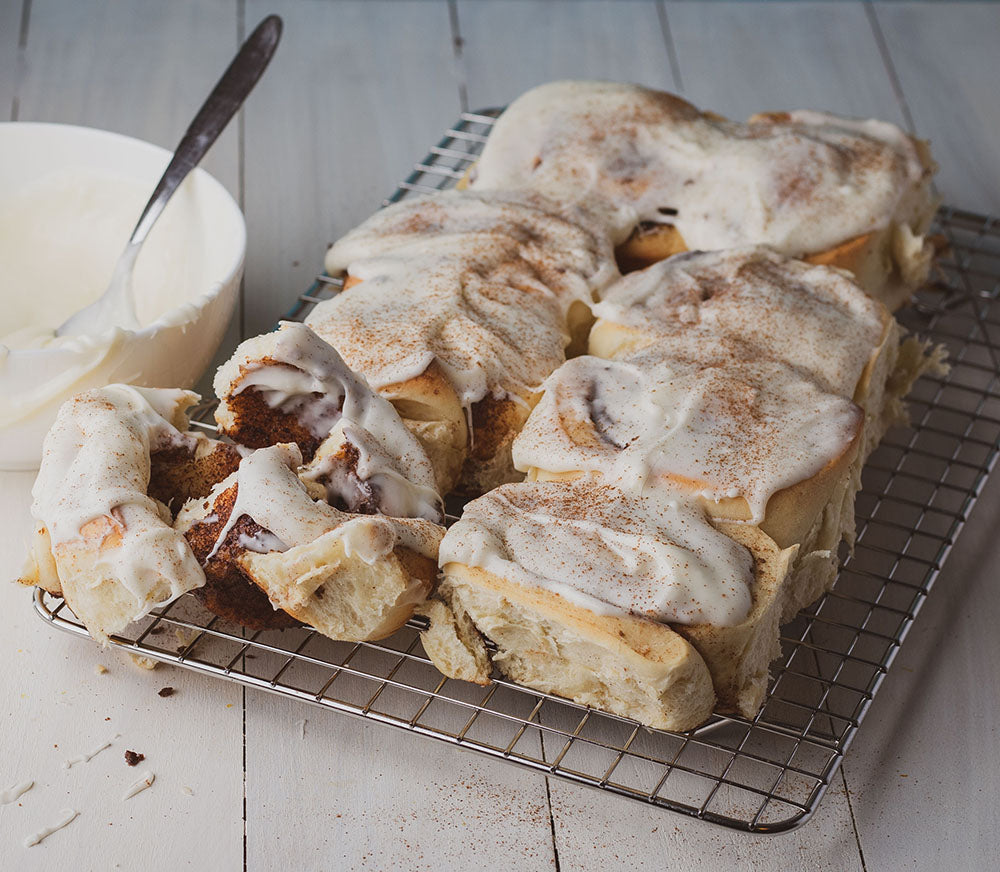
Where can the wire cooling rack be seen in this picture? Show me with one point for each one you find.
(767, 774)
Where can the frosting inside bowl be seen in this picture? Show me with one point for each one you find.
(69, 198)
(60, 237)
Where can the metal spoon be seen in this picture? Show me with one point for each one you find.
(116, 306)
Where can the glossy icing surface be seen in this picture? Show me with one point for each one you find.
(801, 182)
(654, 555)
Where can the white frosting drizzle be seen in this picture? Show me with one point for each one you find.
(801, 185)
(654, 555)
(402, 491)
(270, 493)
(90, 755)
(479, 283)
(16, 792)
(300, 365)
(812, 317)
(95, 465)
(146, 780)
(67, 817)
(701, 410)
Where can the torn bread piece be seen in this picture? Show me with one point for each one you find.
(837, 191)
(352, 577)
(589, 591)
(103, 539)
(456, 306)
(291, 386)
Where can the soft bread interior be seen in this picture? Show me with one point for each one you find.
(326, 586)
(433, 412)
(738, 657)
(622, 664)
(453, 643)
(84, 572)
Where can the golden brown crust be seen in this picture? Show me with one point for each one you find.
(539, 634)
(648, 245)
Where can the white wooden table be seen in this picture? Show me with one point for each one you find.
(358, 91)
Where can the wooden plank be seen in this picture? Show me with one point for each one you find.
(120, 67)
(922, 779)
(357, 94)
(630, 835)
(946, 59)
(923, 773)
(54, 705)
(126, 74)
(355, 795)
(741, 58)
(510, 47)
(115, 66)
(354, 98)
(11, 62)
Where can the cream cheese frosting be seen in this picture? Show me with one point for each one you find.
(801, 181)
(812, 317)
(95, 468)
(270, 492)
(702, 411)
(654, 554)
(298, 373)
(482, 284)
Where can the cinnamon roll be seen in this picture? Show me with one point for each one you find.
(291, 386)
(589, 591)
(349, 576)
(112, 462)
(837, 191)
(457, 306)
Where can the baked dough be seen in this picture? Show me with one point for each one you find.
(292, 386)
(457, 306)
(102, 540)
(588, 591)
(350, 576)
(838, 191)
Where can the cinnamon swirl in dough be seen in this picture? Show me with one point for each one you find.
(457, 306)
(842, 192)
(103, 539)
(291, 386)
(352, 577)
(587, 592)
(741, 376)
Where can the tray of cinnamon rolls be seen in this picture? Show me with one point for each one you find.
(643, 355)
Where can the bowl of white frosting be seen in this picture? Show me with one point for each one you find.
(69, 198)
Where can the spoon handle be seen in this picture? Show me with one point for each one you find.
(222, 104)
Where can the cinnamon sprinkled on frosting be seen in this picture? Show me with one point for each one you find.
(798, 181)
(480, 283)
(654, 555)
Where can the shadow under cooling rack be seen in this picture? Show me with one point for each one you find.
(767, 774)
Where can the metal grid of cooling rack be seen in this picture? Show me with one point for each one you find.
(766, 774)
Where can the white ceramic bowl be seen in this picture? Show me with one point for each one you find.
(172, 351)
